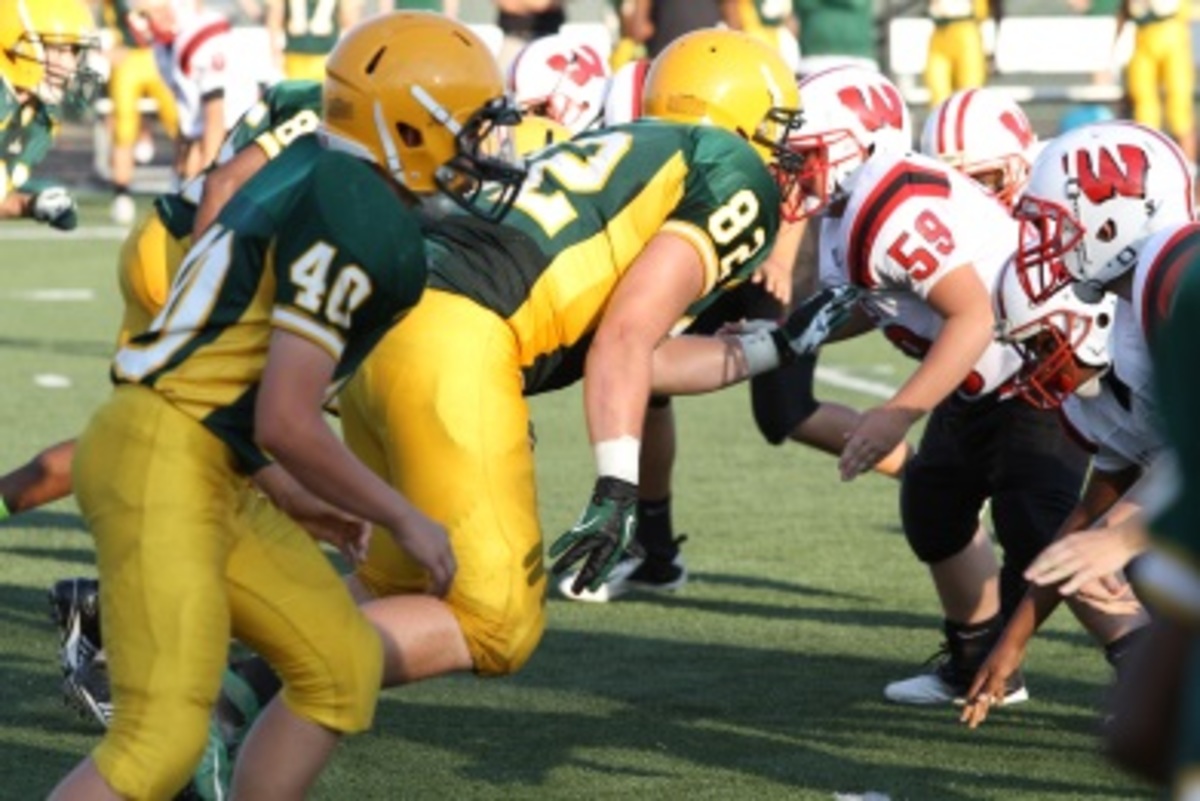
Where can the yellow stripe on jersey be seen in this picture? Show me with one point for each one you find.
(297, 323)
(568, 298)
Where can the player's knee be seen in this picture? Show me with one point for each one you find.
(155, 755)
(503, 648)
(933, 534)
(340, 692)
(783, 399)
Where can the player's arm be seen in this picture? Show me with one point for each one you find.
(15, 205)
(275, 32)
(290, 425)
(223, 182)
(213, 109)
(965, 305)
(1102, 492)
(43, 479)
(322, 521)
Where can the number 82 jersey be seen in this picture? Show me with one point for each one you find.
(587, 209)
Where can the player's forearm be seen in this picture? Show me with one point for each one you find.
(214, 130)
(306, 447)
(16, 205)
(958, 346)
(616, 389)
(44, 479)
(223, 182)
(690, 365)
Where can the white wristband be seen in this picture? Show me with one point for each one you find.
(618, 458)
(760, 350)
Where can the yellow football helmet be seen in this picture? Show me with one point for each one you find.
(28, 28)
(421, 96)
(727, 79)
(535, 133)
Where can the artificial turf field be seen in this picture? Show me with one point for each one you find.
(761, 679)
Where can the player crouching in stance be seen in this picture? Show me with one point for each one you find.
(283, 296)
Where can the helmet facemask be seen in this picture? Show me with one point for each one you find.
(1049, 235)
(485, 174)
(1050, 348)
(823, 160)
(67, 79)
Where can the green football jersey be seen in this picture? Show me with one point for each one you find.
(586, 211)
(301, 248)
(27, 131)
(288, 110)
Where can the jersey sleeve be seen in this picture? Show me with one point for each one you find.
(206, 61)
(289, 109)
(343, 276)
(729, 211)
(908, 234)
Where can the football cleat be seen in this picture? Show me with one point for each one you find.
(86, 690)
(632, 574)
(75, 610)
(947, 683)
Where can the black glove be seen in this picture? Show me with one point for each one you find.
(55, 207)
(604, 534)
(814, 320)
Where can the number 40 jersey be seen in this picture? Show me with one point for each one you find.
(907, 223)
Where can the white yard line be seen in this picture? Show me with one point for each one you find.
(21, 233)
(842, 379)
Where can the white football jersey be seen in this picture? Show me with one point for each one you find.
(1118, 425)
(908, 222)
(201, 62)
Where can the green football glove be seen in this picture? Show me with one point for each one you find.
(603, 535)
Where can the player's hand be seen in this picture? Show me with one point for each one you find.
(604, 533)
(775, 276)
(326, 523)
(55, 207)
(877, 433)
(815, 319)
(426, 541)
(1086, 557)
(987, 688)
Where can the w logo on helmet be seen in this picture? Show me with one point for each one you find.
(581, 65)
(1105, 178)
(876, 107)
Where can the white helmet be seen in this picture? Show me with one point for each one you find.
(985, 135)
(623, 103)
(1094, 194)
(1062, 340)
(848, 112)
(562, 78)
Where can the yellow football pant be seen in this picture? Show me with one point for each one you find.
(149, 259)
(188, 556)
(135, 77)
(955, 60)
(304, 66)
(1162, 61)
(437, 410)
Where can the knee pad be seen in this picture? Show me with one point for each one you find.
(155, 755)
(340, 694)
(783, 399)
(935, 528)
(503, 647)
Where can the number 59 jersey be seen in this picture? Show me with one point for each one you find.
(907, 223)
(585, 212)
(303, 248)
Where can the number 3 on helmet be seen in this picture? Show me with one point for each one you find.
(421, 96)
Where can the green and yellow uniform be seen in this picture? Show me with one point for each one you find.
(154, 248)
(27, 131)
(1161, 64)
(134, 76)
(438, 407)
(955, 58)
(843, 29)
(766, 20)
(187, 555)
(311, 28)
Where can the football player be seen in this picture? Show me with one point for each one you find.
(613, 235)
(899, 226)
(783, 402)
(1106, 223)
(283, 294)
(985, 135)
(44, 46)
(302, 33)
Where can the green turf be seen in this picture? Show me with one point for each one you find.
(762, 679)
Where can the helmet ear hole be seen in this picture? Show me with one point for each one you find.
(1108, 231)
(409, 135)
